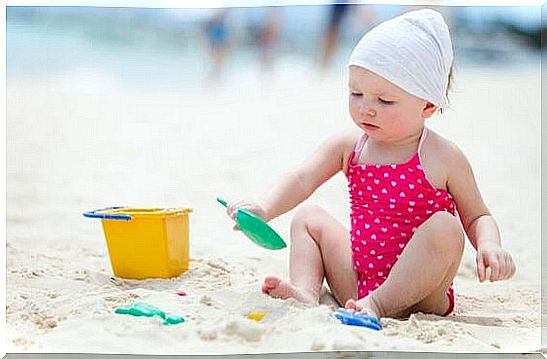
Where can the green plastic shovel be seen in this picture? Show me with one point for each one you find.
(256, 229)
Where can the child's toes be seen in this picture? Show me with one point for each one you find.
(350, 304)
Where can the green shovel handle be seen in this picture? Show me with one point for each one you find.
(222, 202)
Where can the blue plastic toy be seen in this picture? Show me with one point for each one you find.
(361, 319)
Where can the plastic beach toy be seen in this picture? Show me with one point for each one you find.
(140, 310)
(147, 310)
(256, 316)
(146, 242)
(173, 319)
(362, 319)
(256, 229)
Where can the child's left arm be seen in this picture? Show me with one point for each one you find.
(478, 223)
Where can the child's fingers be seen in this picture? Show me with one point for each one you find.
(506, 268)
(231, 210)
(503, 270)
(513, 267)
(481, 268)
(351, 304)
(235, 206)
(495, 266)
(495, 269)
(510, 266)
(235, 227)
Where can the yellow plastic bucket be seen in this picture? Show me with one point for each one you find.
(146, 242)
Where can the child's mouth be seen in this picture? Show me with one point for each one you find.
(369, 126)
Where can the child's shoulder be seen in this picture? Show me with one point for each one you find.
(343, 143)
(345, 139)
(444, 150)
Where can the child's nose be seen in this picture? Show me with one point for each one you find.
(368, 110)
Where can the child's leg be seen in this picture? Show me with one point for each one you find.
(320, 248)
(419, 280)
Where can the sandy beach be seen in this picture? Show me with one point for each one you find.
(85, 142)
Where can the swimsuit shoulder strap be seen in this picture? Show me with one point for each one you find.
(422, 139)
(358, 147)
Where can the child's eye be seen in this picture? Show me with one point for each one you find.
(385, 102)
(356, 94)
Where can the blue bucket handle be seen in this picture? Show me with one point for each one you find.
(94, 214)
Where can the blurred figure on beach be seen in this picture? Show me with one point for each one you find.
(268, 38)
(217, 35)
(331, 36)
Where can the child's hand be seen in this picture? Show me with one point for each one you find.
(253, 207)
(499, 261)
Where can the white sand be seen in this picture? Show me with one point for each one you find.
(74, 145)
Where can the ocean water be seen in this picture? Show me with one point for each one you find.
(138, 47)
(37, 49)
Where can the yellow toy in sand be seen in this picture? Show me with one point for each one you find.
(257, 316)
(146, 242)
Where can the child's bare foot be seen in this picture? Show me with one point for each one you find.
(366, 304)
(276, 288)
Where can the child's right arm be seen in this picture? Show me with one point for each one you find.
(296, 186)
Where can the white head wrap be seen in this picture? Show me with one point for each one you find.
(413, 51)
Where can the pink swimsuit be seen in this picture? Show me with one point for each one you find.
(388, 203)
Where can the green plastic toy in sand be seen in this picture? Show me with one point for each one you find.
(147, 310)
(256, 229)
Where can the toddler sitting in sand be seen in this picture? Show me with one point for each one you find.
(405, 183)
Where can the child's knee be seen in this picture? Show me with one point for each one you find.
(308, 216)
(444, 232)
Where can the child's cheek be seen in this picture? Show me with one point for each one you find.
(392, 115)
(353, 110)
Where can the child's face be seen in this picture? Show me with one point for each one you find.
(386, 112)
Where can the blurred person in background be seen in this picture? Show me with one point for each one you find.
(217, 35)
(269, 37)
(331, 36)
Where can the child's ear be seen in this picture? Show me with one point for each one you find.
(429, 110)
